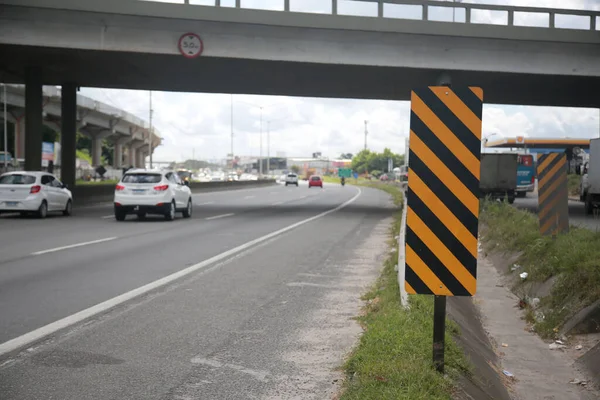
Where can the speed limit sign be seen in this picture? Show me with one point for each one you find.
(190, 45)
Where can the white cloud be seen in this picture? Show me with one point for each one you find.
(201, 123)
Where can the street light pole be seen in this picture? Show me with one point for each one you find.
(150, 133)
(4, 98)
(260, 168)
(231, 131)
(268, 147)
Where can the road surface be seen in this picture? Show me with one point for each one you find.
(228, 330)
(577, 214)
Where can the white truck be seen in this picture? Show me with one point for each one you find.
(590, 180)
(498, 179)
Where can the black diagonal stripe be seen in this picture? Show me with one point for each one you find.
(562, 186)
(444, 154)
(450, 200)
(436, 226)
(436, 266)
(561, 194)
(542, 174)
(448, 118)
(415, 282)
(470, 99)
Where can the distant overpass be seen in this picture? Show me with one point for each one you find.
(128, 133)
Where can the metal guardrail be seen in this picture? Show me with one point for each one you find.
(591, 17)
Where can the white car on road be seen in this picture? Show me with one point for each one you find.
(291, 179)
(37, 192)
(144, 192)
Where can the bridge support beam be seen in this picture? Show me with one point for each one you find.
(20, 137)
(33, 119)
(68, 137)
(118, 155)
(131, 156)
(96, 150)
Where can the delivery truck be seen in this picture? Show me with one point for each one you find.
(498, 176)
(590, 180)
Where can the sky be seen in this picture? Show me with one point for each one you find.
(200, 125)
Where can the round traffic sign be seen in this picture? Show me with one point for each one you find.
(190, 45)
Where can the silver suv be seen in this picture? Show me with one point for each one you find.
(291, 179)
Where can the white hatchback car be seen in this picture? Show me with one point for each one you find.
(144, 192)
(34, 192)
(291, 179)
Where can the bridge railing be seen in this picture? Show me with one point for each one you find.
(433, 10)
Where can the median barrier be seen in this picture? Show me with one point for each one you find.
(99, 193)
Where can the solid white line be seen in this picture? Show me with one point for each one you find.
(40, 333)
(319, 285)
(71, 246)
(278, 203)
(219, 216)
(108, 216)
(249, 197)
(205, 204)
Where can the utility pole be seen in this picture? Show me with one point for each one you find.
(231, 131)
(366, 133)
(6, 131)
(260, 168)
(150, 132)
(268, 147)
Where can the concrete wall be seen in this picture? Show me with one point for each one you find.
(90, 194)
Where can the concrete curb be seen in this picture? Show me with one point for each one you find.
(401, 258)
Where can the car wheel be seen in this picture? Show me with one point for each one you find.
(187, 213)
(68, 209)
(286, 184)
(43, 210)
(170, 215)
(120, 215)
(589, 207)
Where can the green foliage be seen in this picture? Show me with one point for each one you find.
(574, 184)
(574, 258)
(367, 161)
(393, 359)
(295, 169)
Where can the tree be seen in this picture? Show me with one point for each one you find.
(295, 169)
(346, 156)
(370, 161)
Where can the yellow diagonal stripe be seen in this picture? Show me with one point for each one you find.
(549, 175)
(437, 207)
(425, 274)
(409, 289)
(455, 185)
(550, 206)
(458, 108)
(477, 91)
(544, 192)
(544, 164)
(445, 135)
(440, 251)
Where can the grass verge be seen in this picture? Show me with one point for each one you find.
(81, 182)
(393, 358)
(573, 184)
(573, 258)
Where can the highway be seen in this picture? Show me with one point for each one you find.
(577, 214)
(255, 265)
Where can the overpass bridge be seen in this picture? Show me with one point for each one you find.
(128, 133)
(134, 44)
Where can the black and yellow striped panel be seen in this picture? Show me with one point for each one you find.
(443, 191)
(553, 196)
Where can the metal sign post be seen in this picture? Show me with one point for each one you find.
(442, 215)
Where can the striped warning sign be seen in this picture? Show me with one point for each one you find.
(443, 191)
(553, 196)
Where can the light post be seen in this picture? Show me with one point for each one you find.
(150, 132)
(5, 100)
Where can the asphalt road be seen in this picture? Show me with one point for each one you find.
(577, 214)
(217, 333)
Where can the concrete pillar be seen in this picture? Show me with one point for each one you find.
(33, 119)
(68, 136)
(118, 155)
(96, 150)
(141, 160)
(131, 156)
(20, 138)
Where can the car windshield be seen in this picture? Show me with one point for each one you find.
(142, 178)
(291, 176)
(17, 179)
(316, 178)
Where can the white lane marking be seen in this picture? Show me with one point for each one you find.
(259, 375)
(249, 197)
(277, 203)
(108, 216)
(219, 216)
(273, 192)
(316, 275)
(38, 334)
(71, 246)
(319, 285)
(205, 204)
